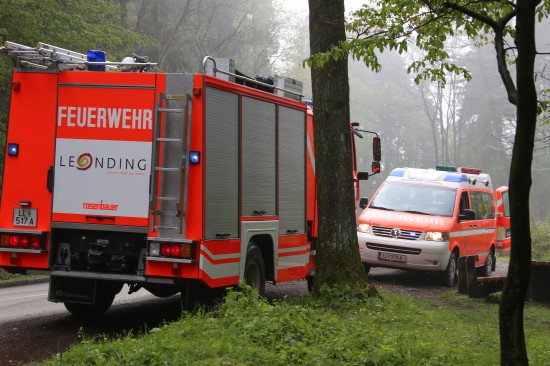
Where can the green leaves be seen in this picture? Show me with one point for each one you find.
(382, 25)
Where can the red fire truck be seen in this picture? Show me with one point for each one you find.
(168, 182)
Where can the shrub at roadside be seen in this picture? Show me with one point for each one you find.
(388, 330)
(540, 240)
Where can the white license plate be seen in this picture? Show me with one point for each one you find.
(392, 257)
(24, 217)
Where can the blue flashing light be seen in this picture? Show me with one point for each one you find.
(455, 178)
(397, 172)
(194, 157)
(13, 149)
(96, 56)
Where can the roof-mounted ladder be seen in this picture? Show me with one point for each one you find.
(46, 56)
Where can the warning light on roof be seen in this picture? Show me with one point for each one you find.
(194, 157)
(470, 170)
(13, 149)
(397, 172)
(445, 168)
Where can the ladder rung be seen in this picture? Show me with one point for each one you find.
(167, 198)
(166, 213)
(163, 169)
(168, 139)
(167, 227)
(171, 110)
(174, 97)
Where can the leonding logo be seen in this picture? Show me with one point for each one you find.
(395, 233)
(84, 161)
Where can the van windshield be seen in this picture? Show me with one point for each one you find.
(415, 198)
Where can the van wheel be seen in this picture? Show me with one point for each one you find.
(366, 267)
(487, 269)
(450, 274)
(254, 269)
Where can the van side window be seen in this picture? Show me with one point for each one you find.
(482, 204)
(464, 202)
(506, 203)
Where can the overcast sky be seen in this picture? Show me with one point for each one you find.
(301, 6)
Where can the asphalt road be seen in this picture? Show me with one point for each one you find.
(32, 329)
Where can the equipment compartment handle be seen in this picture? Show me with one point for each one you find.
(49, 180)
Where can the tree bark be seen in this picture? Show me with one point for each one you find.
(338, 259)
(512, 338)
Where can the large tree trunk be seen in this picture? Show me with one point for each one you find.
(512, 338)
(338, 260)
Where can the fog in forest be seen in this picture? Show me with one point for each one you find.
(469, 124)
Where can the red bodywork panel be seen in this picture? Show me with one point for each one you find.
(32, 126)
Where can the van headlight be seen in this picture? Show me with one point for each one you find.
(436, 236)
(364, 228)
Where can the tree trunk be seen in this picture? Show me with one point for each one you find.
(338, 260)
(512, 338)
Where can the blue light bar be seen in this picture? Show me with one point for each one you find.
(194, 157)
(397, 172)
(13, 149)
(455, 178)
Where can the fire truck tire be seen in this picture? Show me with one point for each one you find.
(488, 268)
(254, 269)
(450, 274)
(366, 267)
(102, 303)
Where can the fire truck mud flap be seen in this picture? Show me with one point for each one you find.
(81, 290)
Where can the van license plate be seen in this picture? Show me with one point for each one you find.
(24, 217)
(392, 257)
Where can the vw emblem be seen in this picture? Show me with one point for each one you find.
(395, 233)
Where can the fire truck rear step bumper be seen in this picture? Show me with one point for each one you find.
(99, 276)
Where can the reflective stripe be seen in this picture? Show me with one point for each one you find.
(216, 271)
(294, 249)
(310, 153)
(455, 234)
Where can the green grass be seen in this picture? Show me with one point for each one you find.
(8, 277)
(391, 330)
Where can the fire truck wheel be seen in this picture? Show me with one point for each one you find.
(254, 270)
(488, 268)
(99, 307)
(450, 274)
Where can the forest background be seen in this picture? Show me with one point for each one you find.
(463, 123)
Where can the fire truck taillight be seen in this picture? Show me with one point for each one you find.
(19, 241)
(174, 250)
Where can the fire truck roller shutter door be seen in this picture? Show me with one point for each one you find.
(258, 157)
(292, 170)
(222, 164)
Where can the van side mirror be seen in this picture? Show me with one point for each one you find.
(467, 215)
(362, 176)
(376, 149)
(363, 202)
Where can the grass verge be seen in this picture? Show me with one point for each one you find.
(391, 330)
(13, 277)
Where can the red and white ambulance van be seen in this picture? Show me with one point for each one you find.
(425, 219)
